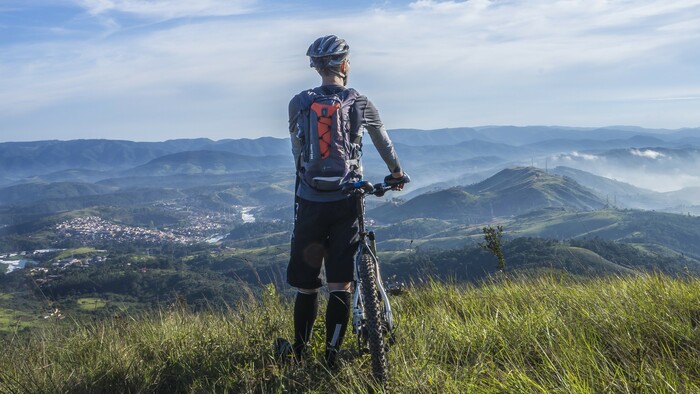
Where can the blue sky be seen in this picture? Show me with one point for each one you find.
(151, 70)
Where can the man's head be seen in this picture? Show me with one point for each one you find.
(329, 56)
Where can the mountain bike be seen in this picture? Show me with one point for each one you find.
(372, 318)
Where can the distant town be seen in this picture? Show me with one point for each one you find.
(92, 229)
(199, 228)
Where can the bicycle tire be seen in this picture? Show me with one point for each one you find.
(373, 318)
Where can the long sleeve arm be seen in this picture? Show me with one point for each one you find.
(369, 117)
(296, 141)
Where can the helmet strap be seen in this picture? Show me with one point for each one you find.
(344, 71)
(339, 73)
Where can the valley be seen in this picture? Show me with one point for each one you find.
(146, 224)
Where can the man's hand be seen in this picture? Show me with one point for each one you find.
(397, 180)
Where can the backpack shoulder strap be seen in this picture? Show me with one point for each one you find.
(352, 93)
(306, 98)
(348, 95)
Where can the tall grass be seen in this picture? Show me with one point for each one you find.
(544, 335)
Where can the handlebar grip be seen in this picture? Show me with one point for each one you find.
(379, 189)
(366, 186)
(389, 180)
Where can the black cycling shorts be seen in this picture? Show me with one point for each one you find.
(325, 233)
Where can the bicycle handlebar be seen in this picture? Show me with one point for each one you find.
(366, 187)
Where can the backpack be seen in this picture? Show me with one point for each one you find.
(330, 150)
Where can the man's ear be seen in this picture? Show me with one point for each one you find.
(343, 66)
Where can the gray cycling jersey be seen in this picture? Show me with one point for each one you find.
(363, 116)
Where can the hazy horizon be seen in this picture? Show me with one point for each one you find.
(642, 130)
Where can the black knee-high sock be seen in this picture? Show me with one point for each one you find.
(305, 311)
(337, 315)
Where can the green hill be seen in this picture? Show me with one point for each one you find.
(583, 258)
(517, 190)
(673, 232)
(71, 175)
(601, 184)
(513, 191)
(635, 334)
(28, 193)
(207, 162)
(624, 195)
(677, 232)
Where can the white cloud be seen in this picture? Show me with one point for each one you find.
(544, 34)
(575, 156)
(585, 156)
(648, 153)
(450, 6)
(683, 98)
(167, 9)
(665, 181)
(432, 64)
(578, 156)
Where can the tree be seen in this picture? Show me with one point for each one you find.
(493, 236)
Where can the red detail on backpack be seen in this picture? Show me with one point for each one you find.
(324, 113)
(331, 150)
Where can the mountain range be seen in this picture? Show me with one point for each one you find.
(461, 176)
(614, 162)
(60, 160)
(494, 145)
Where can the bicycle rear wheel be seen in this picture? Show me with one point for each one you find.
(373, 317)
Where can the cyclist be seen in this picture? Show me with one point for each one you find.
(326, 222)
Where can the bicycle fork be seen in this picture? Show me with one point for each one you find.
(358, 315)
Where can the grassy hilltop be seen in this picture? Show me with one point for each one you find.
(546, 335)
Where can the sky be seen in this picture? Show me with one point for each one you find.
(153, 70)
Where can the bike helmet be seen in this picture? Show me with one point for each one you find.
(327, 52)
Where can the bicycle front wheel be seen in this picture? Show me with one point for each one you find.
(373, 317)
